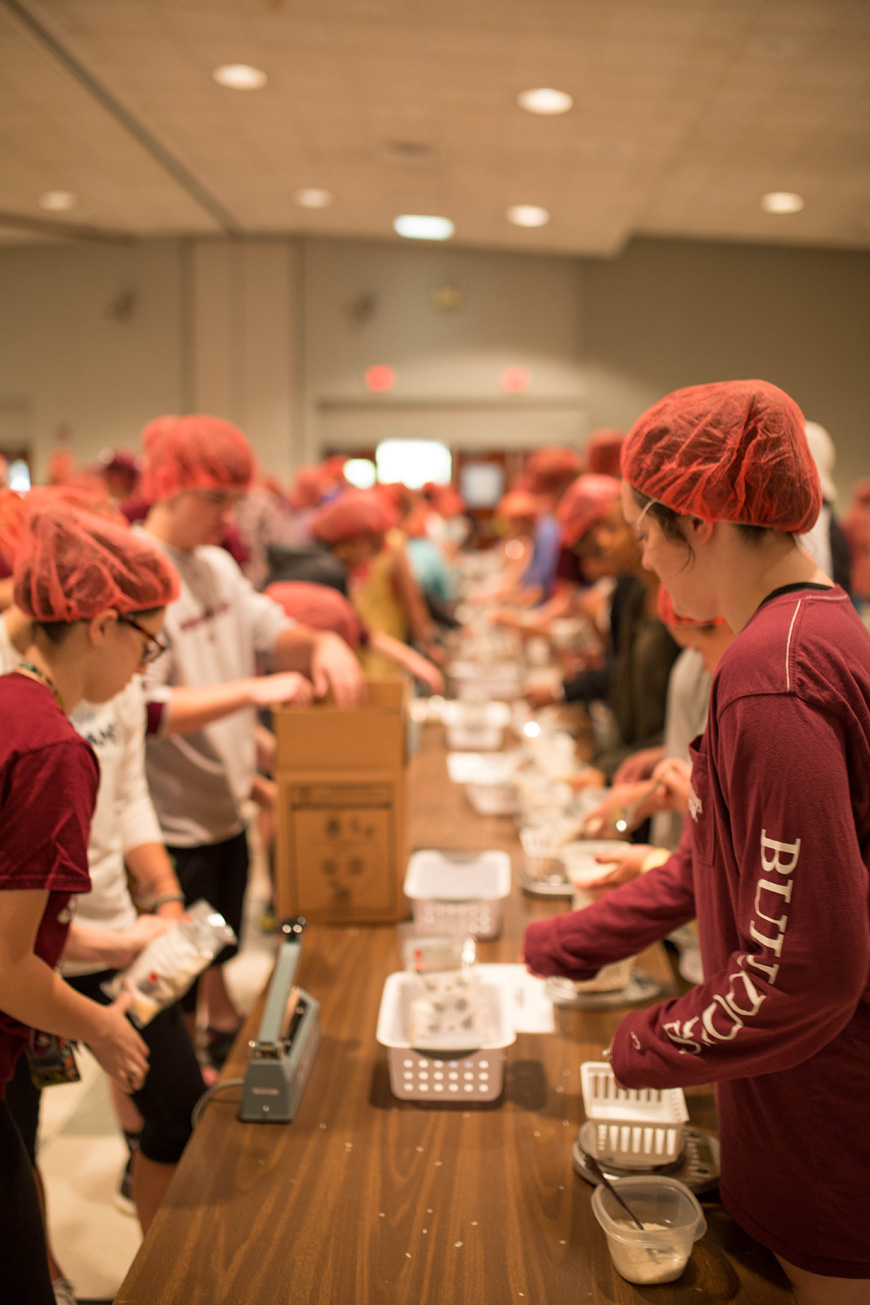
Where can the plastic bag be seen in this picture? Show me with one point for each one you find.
(447, 1013)
(164, 970)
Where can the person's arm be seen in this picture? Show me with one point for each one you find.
(409, 660)
(640, 765)
(623, 922)
(30, 991)
(112, 949)
(411, 598)
(325, 658)
(799, 967)
(188, 708)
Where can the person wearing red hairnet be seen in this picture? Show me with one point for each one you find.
(359, 527)
(603, 452)
(204, 693)
(124, 848)
(775, 857)
(96, 597)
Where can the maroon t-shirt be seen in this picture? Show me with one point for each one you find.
(48, 786)
(774, 861)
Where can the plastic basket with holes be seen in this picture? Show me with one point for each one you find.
(451, 1076)
(630, 1127)
(463, 889)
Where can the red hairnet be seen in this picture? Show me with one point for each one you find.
(549, 469)
(603, 450)
(194, 452)
(13, 510)
(69, 566)
(518, 503)
(355, 512)
(585, 501)
(307, 488)
(444, 499)
(667, 614)
(730, 451)
(318, 606)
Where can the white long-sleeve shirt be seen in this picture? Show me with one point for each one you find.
(215, 630)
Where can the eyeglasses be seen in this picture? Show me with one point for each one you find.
(154, 647)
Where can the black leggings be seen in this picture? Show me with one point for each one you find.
(24, 1273)
(219, 873)
(166, 1099)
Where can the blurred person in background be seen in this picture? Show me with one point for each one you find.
(603, 451)
(856, 528)
(826, 543)
(355, 527)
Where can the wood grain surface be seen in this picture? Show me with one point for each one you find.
(366, 1200)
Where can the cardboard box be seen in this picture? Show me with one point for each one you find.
(342, 809)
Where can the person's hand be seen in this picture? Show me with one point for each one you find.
(540, 697)
(429, 675)
(588, 777)
(675, 779)
(640, 765)
(287, 687)
(334, 666)
(264, 792)
(634, 802)
(128, 943)
(629, 864)
(118, 1047)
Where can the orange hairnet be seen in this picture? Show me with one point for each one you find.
(69, 566)
(729, 451)
(318, 606)
(14, 509)
(307, 488)
(355, 512)
(194, 452)
(550, 468)
(518, 503)
(603, 450)
(586, 501)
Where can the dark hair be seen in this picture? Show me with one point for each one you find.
(669, 520)
(57, 631)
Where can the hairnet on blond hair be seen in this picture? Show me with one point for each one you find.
(586, 500)
(730, 451)
(70, 565)
(319, 606)
(194, 452)
(355, 512)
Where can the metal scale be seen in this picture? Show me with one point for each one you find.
(283, 1051)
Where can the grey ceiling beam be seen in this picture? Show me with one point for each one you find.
(52, 46)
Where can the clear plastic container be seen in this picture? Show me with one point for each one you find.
(674, 1222)
(581, 866)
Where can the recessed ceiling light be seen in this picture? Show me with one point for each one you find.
(419, 226)
(527, 215)
(544, 99)
(313, 197)
(240, 76)
(782, 201)
(58, 201)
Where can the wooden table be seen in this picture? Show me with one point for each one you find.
(365, 1200)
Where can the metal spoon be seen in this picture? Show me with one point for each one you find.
(595, 1168)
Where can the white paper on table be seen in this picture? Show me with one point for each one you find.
(531, 1007)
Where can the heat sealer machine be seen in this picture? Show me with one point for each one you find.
(283, 1052)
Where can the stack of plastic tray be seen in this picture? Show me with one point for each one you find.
(630, 1128)
(449, 1077)
(462, 890)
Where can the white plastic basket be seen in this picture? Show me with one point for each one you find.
(451, 1077)
(484, 738)
(482, 767)
(630, 1127)
(463, 889)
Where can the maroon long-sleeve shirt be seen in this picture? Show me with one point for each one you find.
(774, 863)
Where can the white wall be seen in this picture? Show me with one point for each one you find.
(68, 362)
(264, 332)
